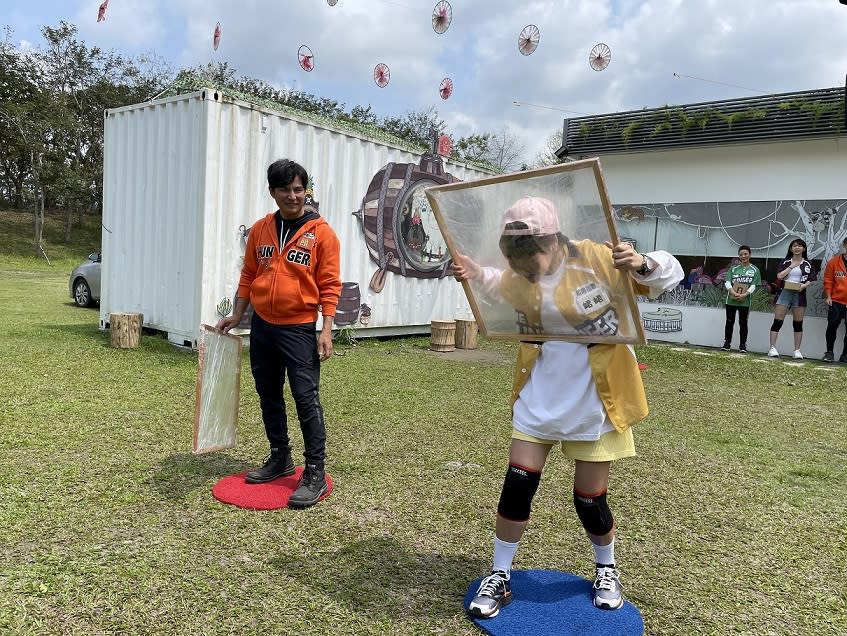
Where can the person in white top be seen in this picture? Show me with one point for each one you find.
(796, 274)
(583, 396)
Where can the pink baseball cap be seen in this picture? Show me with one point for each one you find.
(537, 213)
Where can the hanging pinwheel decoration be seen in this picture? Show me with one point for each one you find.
(216, 37)
(306, 58)
(599, 57)
(101, 12)
(382, 75)
(442, 16)
(446, 88)
(528, 39)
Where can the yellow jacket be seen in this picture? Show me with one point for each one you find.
(613, 366)
(616, 375)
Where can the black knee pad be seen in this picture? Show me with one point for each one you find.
(798, 326)
(518, 490)
(594, 513)
(777, 324)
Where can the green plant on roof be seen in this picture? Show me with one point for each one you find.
(631, 127)
(611, 129)
(669, 119)
(750, 114)
(585, 130)
(817, 110)
(658, 129)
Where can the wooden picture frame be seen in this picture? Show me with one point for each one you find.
(596, 302)
(217, 390)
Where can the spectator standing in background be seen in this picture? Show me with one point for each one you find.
(835, 295)
(796, 275)
(742, 279)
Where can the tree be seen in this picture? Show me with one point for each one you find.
(22, 106)
(547, 157)
(421, 127)
(24, 109)
(363, 116)
(82, 83)
(473, 147)
(504, 151)
(219, 73)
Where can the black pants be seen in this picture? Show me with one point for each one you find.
(743, 313)
(275, 350)
(834, 317)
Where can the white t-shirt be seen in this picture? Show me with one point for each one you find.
(794, 275)
(559, 400)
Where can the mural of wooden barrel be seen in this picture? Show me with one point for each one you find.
(400, 229)
(347, 311)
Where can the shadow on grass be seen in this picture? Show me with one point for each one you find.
(381, 576)
(179, 475)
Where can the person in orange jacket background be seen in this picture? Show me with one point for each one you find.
(291, 270)
(835, 294)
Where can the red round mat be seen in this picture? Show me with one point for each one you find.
(268, 496)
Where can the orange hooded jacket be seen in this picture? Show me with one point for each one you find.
(835, 279)
(287, 286)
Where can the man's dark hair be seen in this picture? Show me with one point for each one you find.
(745, 247)
(282, 172)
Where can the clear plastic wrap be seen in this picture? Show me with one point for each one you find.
(217, 391)
(593, 301)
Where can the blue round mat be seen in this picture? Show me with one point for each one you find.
(549, 602)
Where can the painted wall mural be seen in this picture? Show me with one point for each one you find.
(718, 228)
(398, 224)
(713, 231)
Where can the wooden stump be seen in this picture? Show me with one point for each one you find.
(125, 330)
(466, 334)
(442, 335)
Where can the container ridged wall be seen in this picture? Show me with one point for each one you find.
(182, 174)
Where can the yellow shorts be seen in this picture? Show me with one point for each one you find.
(609, 447)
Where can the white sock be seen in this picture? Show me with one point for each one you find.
(604, 554)
(504, 554)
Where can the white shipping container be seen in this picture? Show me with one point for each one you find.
(184, 177)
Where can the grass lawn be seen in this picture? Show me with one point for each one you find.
(732, 518)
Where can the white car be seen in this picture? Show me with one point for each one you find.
(85, 282)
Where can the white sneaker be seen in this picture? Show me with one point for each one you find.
(798, 355)
(607, 588)
(494, 592)
(773, 353)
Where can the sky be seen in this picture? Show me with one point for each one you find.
(663, 52)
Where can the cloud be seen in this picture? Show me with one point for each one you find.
(719, 49)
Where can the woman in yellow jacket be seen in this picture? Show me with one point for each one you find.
(583, 396)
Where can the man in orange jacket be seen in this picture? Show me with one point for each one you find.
(291, 270)
(835, 294)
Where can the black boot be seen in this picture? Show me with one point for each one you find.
(312, 486)
(277, 464)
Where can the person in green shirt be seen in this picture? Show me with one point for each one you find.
(741, 281)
